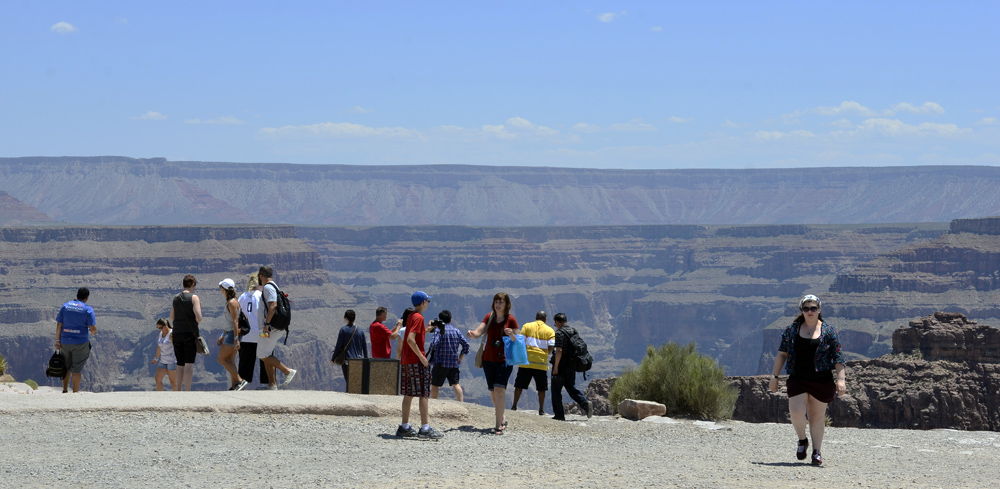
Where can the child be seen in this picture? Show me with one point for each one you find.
(165, 356)
(416, 372)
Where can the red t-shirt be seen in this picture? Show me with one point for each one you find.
(494, 332)
(414, 324)
(381, 348)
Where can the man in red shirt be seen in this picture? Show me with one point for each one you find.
(380, 334)
(416, 371)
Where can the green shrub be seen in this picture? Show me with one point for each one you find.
(32, 384)
(3, 365)
(687, 383)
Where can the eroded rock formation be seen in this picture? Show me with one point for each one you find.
(943, 373)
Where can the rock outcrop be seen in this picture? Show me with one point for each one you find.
(943, 373)
(13, 212)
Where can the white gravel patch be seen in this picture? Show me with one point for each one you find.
(191, 449)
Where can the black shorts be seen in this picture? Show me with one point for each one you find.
(823, 392)
(524, 376)
(184, 348)
(439, 373)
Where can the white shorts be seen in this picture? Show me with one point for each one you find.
(265, 346)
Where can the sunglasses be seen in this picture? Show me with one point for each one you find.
(810, 309)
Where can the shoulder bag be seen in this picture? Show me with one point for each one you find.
(341, 357)
(482, 343)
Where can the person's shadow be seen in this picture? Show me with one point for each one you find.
(786, 464)
(464, 429)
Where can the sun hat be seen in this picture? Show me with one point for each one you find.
(227, 284)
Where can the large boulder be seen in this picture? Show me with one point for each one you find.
(638, 410)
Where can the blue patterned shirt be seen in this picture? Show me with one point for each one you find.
(446, 347)
(828, 352)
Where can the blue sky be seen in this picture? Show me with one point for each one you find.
(540, 83)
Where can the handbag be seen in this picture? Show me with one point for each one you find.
(341, 357)
(482, 344)
(515, 350)
(201, 345)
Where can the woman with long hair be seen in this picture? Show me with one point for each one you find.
(229, 342)
(165, 360)
(495, 325)
(249, 304)
(185, 314)
(810, 351)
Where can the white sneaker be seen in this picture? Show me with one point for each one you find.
(271, 388)
(289, 377)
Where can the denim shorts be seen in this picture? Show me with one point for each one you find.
(167, 366)
(228, 338)
(497, 374)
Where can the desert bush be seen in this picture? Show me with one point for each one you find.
(686, 382)
(32, 384)
(3, 365)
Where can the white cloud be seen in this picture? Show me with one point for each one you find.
(337, 130)
(357, 109)
(634, 125)
(896, 127)
(775, 135)
(499, 131)
(63, 28)
(519, 126)
(223, 121)
(610, 16)
(926, 108)
(843, 124)
(679, 120)
(848, 107)
(731, 125)
(657, 29)
(150, 116)
(987, 121)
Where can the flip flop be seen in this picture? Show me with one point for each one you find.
(499, 431)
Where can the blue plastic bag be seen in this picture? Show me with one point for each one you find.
(516, 351)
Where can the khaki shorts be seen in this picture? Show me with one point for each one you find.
(76, 356)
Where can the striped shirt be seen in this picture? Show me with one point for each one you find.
(539, 338)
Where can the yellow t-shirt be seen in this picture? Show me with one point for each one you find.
(539, 337)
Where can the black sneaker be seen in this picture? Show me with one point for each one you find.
(817, 458)
(429, 434)
(406, 432)
(559, 418)
(590, 409)
(800, 452)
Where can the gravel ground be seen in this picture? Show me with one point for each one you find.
(184, 449)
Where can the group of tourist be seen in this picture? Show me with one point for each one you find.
(179, 336)
(810, 351)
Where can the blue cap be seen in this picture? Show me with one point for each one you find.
(419, 297)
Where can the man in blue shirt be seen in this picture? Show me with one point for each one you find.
(351, 341)
(74, 325)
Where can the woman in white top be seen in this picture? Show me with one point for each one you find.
(165, 360)
(249, 303)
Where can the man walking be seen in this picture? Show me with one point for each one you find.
(416, 371)
(381, 347)
(269, 337)
(563, 374)
(74, 325)
(540, 340)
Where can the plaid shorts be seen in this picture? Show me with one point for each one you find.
(416, 380)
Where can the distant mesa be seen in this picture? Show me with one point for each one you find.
(13, 212)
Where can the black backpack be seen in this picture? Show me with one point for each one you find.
(579, 356)
(57, 366)
(282, 313)
(244, 324)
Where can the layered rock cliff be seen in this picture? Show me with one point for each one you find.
(943, 372)
(114, 190)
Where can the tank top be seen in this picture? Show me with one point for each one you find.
(184, 321)
(805, 361)
(166, 344)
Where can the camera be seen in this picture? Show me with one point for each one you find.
(498, 343)
(437, 323)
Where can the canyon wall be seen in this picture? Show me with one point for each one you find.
(114, 190)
